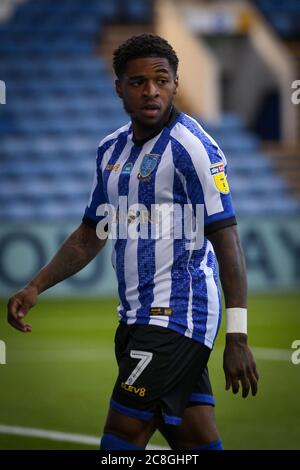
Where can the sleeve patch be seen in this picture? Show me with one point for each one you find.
(217, 171)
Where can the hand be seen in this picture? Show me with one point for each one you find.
(239, 365)
(19, 305)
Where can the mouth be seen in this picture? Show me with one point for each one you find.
(151, 110)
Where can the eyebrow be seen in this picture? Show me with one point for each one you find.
(135, 77)
(163, 70)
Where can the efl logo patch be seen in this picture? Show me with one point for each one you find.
(148, 164)
(126, 170)
(217, 171)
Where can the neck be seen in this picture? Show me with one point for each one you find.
(144, 133)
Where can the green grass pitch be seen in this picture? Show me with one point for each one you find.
(60, 376)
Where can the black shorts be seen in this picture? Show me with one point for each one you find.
(160, 372)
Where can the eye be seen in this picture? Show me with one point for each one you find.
(136, 83)
(162, 81)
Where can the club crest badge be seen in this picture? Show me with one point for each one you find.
(148, 164)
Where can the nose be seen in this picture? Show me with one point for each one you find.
(150, 89)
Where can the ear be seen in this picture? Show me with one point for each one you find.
(118, 88)
(176, 84)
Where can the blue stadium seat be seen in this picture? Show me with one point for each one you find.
(67, 96)
(284, 16)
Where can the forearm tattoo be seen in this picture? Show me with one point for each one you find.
(74, 254)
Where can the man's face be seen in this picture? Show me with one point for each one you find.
(147, 89)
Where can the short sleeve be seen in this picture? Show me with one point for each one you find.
(213, 178)
(204, 168)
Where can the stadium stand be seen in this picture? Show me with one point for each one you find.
(61, 102)
(283, 16)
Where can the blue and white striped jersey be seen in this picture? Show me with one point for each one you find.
(160, 281)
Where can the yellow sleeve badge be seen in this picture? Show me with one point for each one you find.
(217, 171)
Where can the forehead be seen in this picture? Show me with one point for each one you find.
(144, 66)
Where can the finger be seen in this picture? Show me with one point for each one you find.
(245, 386)
(23, 309)
(235, 385)
(14, 321)
(256, 372)
(19, 325)
(14, 310)
(13, 306)
(228, 382)
(253, 383)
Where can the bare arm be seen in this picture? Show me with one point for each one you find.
(232, 266)
(74, 254)
(238, 362)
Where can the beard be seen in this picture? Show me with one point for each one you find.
(148, 126)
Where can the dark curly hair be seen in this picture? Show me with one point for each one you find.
(143, 45)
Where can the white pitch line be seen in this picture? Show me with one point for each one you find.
(57, 436)
(270, 354)
(51, 435)
(267, 354)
